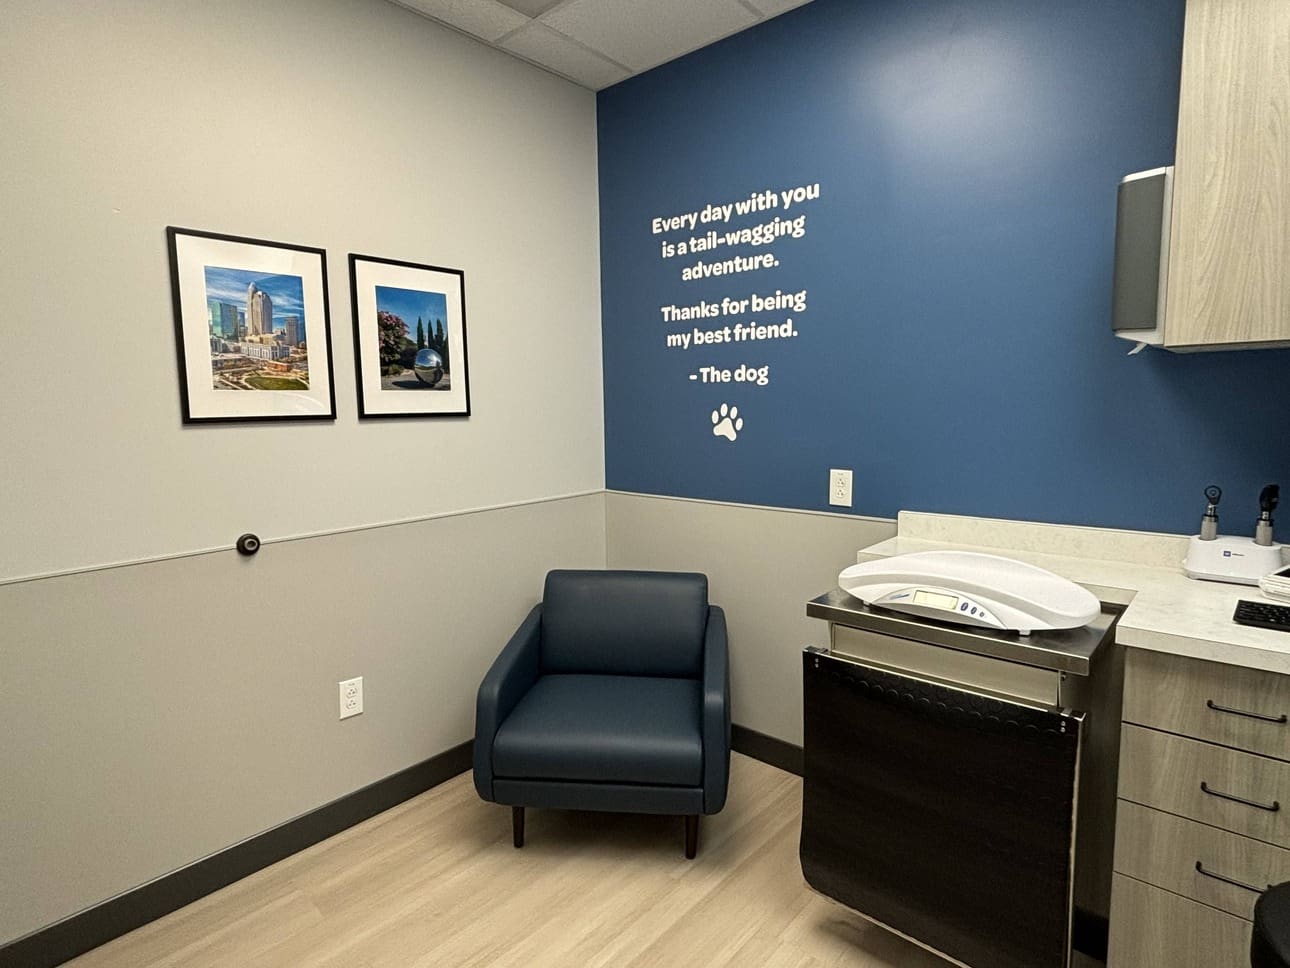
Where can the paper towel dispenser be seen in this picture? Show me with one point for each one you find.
(1142, 227)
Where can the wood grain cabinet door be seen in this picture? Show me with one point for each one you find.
(1151, 928)
(1230, 251)
(1228, 789)
(1247, 709)
(1218, 868)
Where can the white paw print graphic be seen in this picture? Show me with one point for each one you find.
(726, 422)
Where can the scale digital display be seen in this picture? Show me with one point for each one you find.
(936, 600)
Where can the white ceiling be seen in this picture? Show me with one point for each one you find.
(596, 43)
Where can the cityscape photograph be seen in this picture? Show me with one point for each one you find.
(257, 330)
(412, 358)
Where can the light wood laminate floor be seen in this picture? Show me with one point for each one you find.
(436, 882)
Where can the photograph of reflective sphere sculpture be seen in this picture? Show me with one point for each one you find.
(409, 338)
(412, 359)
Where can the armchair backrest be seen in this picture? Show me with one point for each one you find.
(642, 623)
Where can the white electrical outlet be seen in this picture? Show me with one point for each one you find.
(839, 488)
(351, 697)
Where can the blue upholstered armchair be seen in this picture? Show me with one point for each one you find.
(614, 694)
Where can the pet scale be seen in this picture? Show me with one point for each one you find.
(970, 588)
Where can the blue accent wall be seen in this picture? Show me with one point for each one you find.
(956, 347)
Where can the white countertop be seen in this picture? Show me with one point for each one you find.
(1166, 611)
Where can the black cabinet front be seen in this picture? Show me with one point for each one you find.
(946, 815)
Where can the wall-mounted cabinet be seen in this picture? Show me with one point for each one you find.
(1229, 220)
(1229, 262)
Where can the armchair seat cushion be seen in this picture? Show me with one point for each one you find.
(609, 729)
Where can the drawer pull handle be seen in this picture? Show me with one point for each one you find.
(1200, 869)
(1270, 808)
(1275, 720)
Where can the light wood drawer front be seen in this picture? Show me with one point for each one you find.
(1164, 850)
(1167, 772)
(1244, 708)
(1151, 928)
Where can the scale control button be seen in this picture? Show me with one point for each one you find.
(963, 607)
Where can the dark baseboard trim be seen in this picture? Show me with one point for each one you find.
(768, 749)
(98, 925)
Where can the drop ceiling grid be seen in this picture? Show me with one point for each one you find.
(531, 8)
(644, 35)
(486, 20)
(539, 44)
(596, 43)
(773, 8)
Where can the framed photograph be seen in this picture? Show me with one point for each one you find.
(409, 338)
(252, 328)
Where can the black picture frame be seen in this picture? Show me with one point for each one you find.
(229, 376)
(390, 381)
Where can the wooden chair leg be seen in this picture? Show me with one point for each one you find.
(517, 825)
(691, 836)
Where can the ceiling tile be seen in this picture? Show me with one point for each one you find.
(644, 35)
(550, 49)
(486, 19)
(773, 8)
(531, 8)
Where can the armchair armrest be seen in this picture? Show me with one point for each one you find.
(716, 712)
(512, 675)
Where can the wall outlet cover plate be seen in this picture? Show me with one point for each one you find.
(839, 487)
(351, 697)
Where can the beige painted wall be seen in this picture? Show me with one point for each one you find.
(157, 712)
(164, 710)
(763, 565)
(353, 125)
(160, 712)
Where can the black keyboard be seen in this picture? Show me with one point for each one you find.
(1265, 615)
